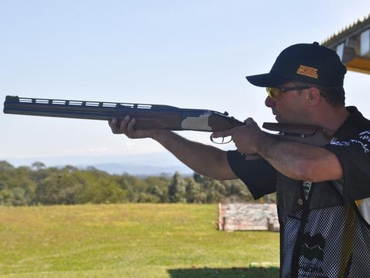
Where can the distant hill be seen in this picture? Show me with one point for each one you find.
(138, 170)
(140, 164)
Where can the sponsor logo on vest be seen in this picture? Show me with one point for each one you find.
(313, 247)
(312, 269)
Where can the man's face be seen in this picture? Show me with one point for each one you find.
(288, 104)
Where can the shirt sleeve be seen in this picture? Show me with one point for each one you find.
(258, 175)
(354, 157)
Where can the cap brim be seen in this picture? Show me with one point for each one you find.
(267, 80)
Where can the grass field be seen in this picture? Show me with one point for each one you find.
(130, 240)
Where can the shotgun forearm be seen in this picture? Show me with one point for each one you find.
(148, 116)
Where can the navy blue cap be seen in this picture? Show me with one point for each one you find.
(309, 63)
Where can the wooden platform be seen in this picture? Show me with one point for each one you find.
(248, 217)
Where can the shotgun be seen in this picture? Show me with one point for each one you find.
(152, 116)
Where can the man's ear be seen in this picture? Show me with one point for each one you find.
(313, 96)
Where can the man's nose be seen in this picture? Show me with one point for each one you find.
(269, 102)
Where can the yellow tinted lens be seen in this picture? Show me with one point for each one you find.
(274, 93)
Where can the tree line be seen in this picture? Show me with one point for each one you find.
(41, 185)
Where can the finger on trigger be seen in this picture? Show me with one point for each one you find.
(218, 134)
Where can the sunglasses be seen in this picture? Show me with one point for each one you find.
(276, 93)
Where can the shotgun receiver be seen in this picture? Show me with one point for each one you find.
(151, 116)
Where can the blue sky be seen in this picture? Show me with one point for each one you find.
(191, 54)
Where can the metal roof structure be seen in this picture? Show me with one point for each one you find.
(353, 45)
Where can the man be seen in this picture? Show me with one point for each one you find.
(323, 193)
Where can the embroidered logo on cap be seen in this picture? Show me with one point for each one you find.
(308, 71)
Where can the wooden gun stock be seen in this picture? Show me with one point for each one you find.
(307, 134)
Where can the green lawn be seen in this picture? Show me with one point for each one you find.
(130, 240)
